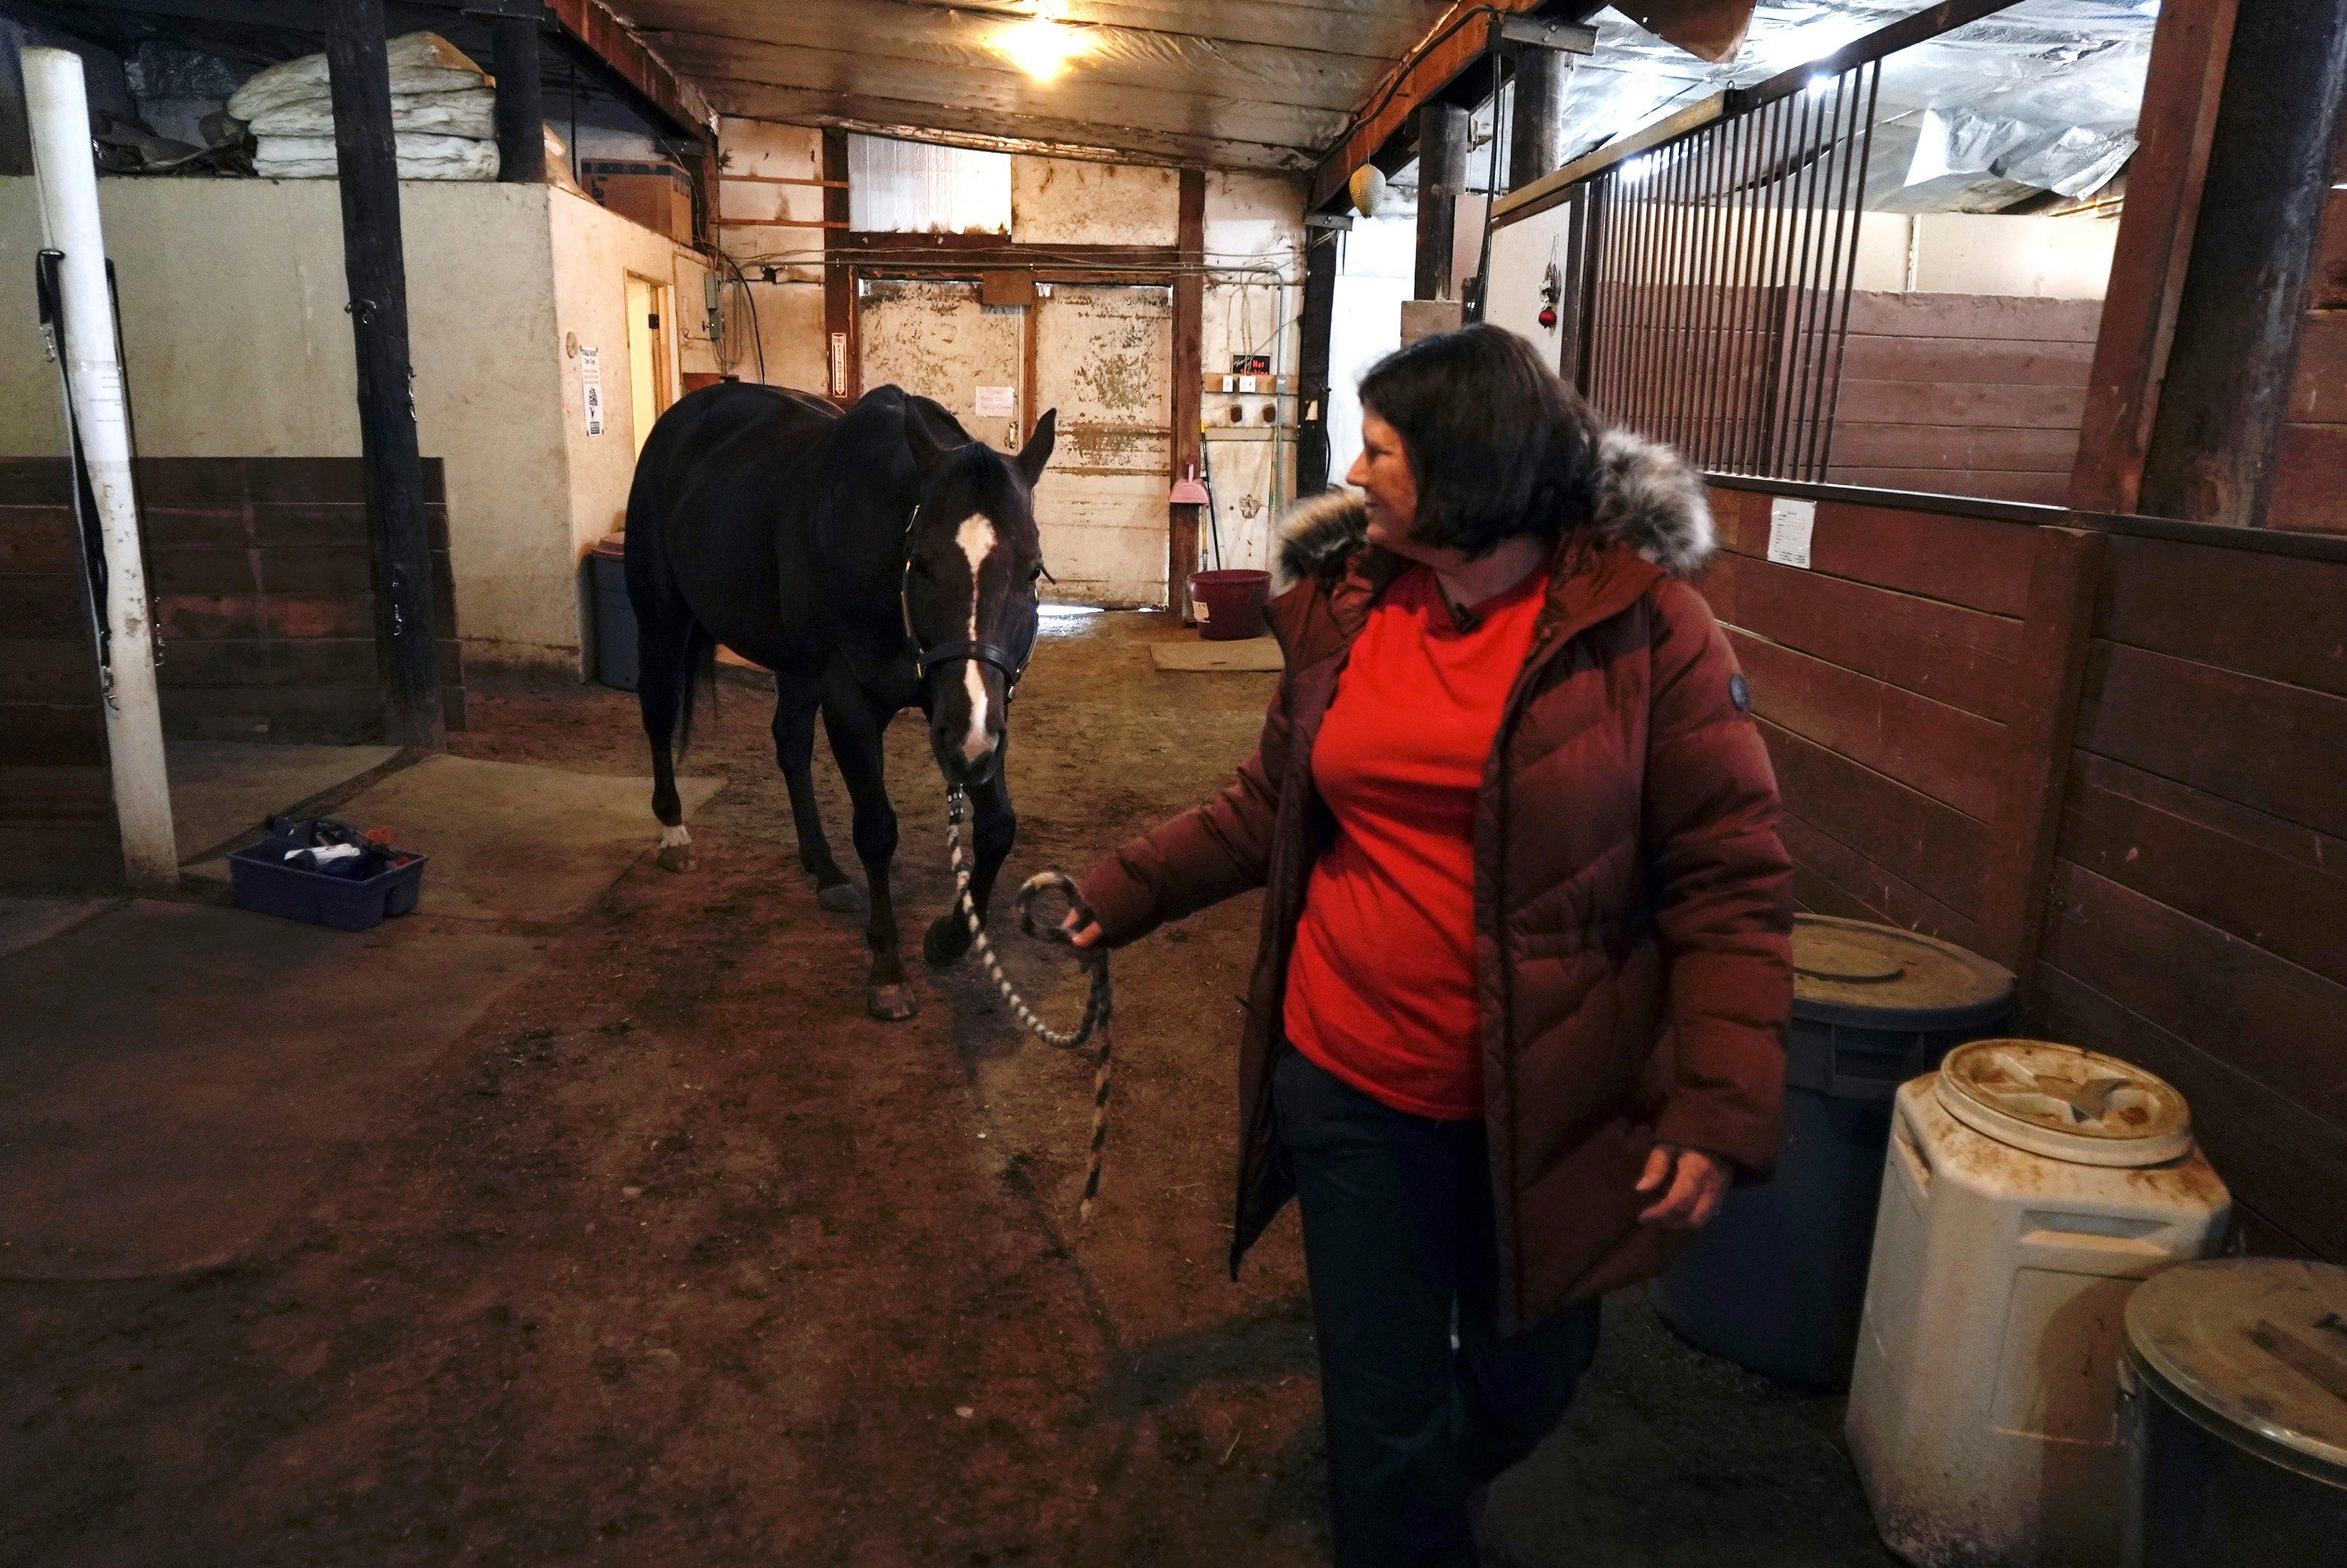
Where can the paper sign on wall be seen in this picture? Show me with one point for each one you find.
(1790, 524)
(590, 381)
(998, 401)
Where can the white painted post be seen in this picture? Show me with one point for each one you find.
(56, 103)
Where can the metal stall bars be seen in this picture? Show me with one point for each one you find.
(1710, 258)
(1717, 270)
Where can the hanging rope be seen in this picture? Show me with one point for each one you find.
(1098, 1004)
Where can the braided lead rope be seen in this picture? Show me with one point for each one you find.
(1098, 1004)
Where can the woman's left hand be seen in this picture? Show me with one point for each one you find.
(1692, 1183)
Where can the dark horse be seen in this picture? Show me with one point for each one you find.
(874, 561)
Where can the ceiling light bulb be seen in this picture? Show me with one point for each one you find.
(1041, 47)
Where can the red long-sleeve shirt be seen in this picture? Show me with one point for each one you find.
(1381, 989)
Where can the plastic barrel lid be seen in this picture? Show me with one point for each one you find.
(1879, 977)
(2064, 1103)
(2260, 1342)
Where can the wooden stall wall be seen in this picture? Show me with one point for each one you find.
(56, 797)
(2197, 920)
(1964, 395)
(2105, 751)
(1884, 679)
(263, 580)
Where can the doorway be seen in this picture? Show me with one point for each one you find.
(650, 361)
(1101, 354)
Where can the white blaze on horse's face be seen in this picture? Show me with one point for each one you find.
(976, 538)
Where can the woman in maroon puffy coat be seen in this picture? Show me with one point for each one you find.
(1517, 1010)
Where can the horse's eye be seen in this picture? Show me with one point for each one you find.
(920, 567)
(1035, 572)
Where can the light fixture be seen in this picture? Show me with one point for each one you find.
(1043, 45)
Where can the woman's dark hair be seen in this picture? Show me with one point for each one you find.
(1499, 443)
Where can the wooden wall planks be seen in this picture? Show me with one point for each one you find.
(2265, 744)
(2199, 918)
(1972, 394)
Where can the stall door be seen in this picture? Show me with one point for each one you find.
(1103, 358)
(933, 338)
(649, 379)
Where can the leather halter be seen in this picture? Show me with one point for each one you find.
(985, 651)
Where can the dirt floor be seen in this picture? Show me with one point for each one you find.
(679, 1257)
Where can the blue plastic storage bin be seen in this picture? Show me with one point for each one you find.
(1776, 1282)
(264, 881)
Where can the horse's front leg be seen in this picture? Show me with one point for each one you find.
(994, 829)
(855, 732)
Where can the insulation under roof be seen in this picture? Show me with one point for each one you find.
(2041, 96)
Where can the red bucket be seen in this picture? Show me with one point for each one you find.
(1230, 603)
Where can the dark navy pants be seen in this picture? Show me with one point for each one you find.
(1424, 1402)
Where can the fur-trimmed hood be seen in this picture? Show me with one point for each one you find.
(1647, 499)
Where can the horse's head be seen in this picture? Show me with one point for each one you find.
(971, 565)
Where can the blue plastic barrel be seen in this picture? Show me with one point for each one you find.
(615, 617)
(1776, 1282)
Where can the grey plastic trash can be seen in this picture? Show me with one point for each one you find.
(615, 617)
(1776, 1282)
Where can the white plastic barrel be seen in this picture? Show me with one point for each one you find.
(2029, 1187)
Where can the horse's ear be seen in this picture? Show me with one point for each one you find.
(928, 457)
(1038, 450)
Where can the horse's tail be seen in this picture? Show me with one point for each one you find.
(699, 675)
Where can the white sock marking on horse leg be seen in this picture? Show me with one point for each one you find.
(976, 538)
(672, 837)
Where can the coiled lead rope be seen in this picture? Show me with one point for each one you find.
(1098, 1004)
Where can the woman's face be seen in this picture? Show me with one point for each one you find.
(1389, 489)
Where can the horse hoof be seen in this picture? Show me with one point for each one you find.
(676, 857)
(892, 1003)
(840, 897)
(946, 940)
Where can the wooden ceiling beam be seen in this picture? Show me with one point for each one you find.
(587, 26)
(1419, 79)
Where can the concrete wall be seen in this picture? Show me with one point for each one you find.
(239, 346)
(782, 261)
(1254, 228)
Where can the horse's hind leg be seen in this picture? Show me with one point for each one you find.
(661, 676)
(994, 827)
(797, 700)
(855, 732)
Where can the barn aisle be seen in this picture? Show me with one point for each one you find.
(676, 1256)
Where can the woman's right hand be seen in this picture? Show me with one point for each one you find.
(1080, 936)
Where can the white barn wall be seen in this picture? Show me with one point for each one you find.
(1374, 276)
(232, 297)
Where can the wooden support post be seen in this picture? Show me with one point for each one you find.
(372, 262)
(1312, 454)
(1536, 129)
(841, 378)
(2065, 575)
(2187, 75)
(2227, 391)
(1189, 385)
(1442, 131)
(522, 101)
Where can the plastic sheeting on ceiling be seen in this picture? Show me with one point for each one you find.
(1244, 84)
(2040, 97)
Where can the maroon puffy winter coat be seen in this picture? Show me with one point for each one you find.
(1632, 903)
